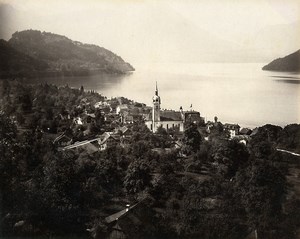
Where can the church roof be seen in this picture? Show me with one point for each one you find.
(166, 115)
(169, 115)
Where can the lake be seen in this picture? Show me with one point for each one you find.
(234, 92)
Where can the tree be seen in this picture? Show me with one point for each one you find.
(5, 89)
(81, 90)
(140, 148)
(137, 177)
(261, 188)
(289, 138)
(192, 139)
(230, 156)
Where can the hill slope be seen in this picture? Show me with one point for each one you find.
(287, 63)
(17, 64)
(64, 55)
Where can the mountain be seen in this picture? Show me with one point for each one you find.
(64, 56)
(287, 63)
(17, 64)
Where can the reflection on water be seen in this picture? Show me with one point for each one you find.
(289, 81)
(99, 82)
(287, 77)
(237, 93)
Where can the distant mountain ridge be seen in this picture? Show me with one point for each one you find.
(287, 63)
(60, 55)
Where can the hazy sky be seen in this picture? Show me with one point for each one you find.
(162, 31)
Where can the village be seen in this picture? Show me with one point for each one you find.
(119, 114)
(116, 168)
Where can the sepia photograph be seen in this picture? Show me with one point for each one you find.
(148, 119)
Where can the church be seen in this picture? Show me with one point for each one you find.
(170, 119)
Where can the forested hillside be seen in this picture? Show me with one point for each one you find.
(34, 53)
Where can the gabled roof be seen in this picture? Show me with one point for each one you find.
(118, 215)
(123, 129)
(91, 115)
(128, 118)
(245, 131)
(103, 137)
(107, 135)
(122, 107)
(191, 112)
(231, 126)
(61, 137)
(148, 117)
(192, 116)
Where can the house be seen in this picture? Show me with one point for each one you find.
(88, 148)
(243, 139)
(254, 132)
(121, 108)
(98, 105)
(89, 118)
(121, 130)
(126, 223)
(113, 118)
(128, 119)
(178, 144)
(193, 117)
(101, 104)
(78, 121)
(84, 102)
(122, 134)
(233, 129)
(106, 140)
(245, 131)
(216, 126)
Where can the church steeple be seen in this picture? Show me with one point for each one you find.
(156, 109)
(156, 98)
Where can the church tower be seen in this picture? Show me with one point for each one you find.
(156, 110)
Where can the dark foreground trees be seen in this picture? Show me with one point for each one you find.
(208, 189)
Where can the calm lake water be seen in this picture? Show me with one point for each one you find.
(235, 93)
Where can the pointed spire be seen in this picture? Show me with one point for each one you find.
(156, 89)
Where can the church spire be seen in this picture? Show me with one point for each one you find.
(156, 89)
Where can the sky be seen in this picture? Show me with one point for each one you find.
(165, 30)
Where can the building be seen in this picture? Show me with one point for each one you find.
(170, 119)
(233, 129)
(122, 108)
(245, 131)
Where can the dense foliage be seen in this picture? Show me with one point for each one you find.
(216, 188)
(59, 55)
(16, 64)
